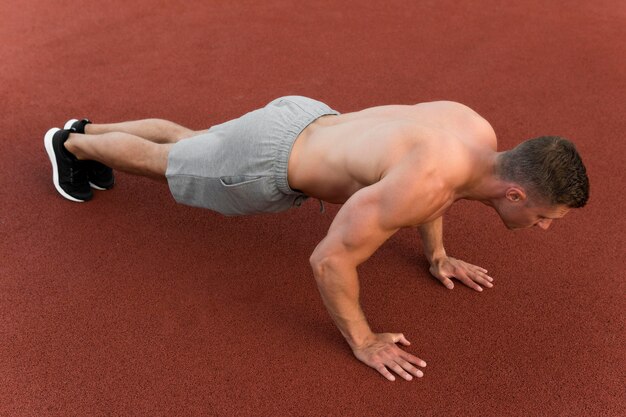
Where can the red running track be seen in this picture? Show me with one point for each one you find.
(131, 305)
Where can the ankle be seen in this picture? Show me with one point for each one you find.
(72, 148)
(89, 129)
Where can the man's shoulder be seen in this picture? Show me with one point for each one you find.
(478, 127)
(464, 121)
(417, 188)
(455, 106)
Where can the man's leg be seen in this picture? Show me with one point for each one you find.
(123, 151)
(154, 130)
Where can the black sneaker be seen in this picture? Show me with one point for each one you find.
(100, 176)
(69, 175)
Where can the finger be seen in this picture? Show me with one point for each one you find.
(385, 372)
(412, 358)
(409, 368)
(398, 369)
(482, 273)
(483, 270)
(469, 282)
(479, 269)
(447, 282)
(402, 339)
(481, 279)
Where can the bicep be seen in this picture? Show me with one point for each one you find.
(364, 223)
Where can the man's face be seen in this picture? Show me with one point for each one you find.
(525, 214)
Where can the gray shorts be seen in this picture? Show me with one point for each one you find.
(240, 167)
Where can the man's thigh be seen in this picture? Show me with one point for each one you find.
(193, 133)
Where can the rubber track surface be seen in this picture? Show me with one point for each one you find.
(132, 305)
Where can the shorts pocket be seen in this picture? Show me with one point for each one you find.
(243, 195)
(237, 180)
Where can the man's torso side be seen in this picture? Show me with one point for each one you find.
(336, 156)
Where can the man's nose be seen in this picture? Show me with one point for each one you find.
(544, 223)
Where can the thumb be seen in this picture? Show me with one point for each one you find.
(399, 337)
(442, 276)
(445, 280)
(448, 283)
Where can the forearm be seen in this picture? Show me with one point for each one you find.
(432, 239)
(339, 287)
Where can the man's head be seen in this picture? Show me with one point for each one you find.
(546, 178)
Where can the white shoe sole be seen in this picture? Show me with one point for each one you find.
(47, 140)
(95, 187)
(69, 123)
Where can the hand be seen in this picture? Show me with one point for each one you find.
(381, 352)
(470, 275)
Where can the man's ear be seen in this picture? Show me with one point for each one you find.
(515, 194)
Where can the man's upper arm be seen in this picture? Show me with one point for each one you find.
(369, 218)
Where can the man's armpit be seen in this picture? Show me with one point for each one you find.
(356, 231)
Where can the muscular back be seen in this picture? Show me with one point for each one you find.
(336, 156)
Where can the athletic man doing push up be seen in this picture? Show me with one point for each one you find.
(390, 166)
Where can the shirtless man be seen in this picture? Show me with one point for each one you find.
(390, 166)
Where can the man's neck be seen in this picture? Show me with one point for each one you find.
(484, 185)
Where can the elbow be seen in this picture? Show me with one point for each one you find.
(327, 268)
(318, 263)
(322, 266)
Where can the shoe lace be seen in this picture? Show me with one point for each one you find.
(99, 169)
(77, 172)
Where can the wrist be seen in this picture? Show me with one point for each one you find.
(360, 342)
(357, 338)
(437, 257)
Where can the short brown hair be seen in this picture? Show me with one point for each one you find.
(549, 166)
